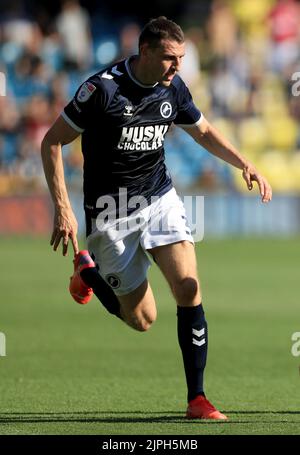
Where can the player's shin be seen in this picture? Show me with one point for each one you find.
(102, 290)
(192, 337)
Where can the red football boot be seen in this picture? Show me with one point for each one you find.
(80, 292)
(201, 408)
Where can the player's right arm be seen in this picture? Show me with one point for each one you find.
(213, 141)
(65, 224)
(194, 123)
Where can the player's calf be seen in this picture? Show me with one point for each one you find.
(138, 308)
(139, 321)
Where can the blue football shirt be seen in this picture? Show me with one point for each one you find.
(123, 125)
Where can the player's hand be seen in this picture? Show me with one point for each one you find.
(250, 174)
(65, 228)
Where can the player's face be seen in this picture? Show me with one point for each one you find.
(164, 61)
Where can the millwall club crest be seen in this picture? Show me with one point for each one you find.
(86, 90)
(113, 281)
(166, 109)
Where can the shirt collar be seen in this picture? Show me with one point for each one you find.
(127, 65)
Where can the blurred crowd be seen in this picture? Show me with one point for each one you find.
(240, 65)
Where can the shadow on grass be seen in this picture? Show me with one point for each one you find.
(131, 417)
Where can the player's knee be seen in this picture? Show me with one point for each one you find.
(186, 289)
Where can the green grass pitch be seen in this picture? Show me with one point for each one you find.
(70, 369)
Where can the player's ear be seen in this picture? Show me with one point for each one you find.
(144, 49)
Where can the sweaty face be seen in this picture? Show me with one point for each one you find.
(164, 61)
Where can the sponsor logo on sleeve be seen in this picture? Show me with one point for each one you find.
(76, 106)
(85, 92)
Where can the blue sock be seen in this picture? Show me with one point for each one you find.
(192, 337)
(102, 290)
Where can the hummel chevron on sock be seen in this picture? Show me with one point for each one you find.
(192, 337)
(102, 290)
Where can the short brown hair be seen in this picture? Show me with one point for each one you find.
(159, 29)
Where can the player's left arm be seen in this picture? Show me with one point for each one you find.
(213, 141)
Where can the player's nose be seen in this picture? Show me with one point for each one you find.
(177, 63)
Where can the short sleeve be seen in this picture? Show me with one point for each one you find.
(187, 113)
(80, 110)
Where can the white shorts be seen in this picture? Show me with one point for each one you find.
(119, 246)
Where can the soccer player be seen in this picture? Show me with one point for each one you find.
(132, 210)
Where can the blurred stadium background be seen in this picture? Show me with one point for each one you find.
(240, 58)
(72, 369)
